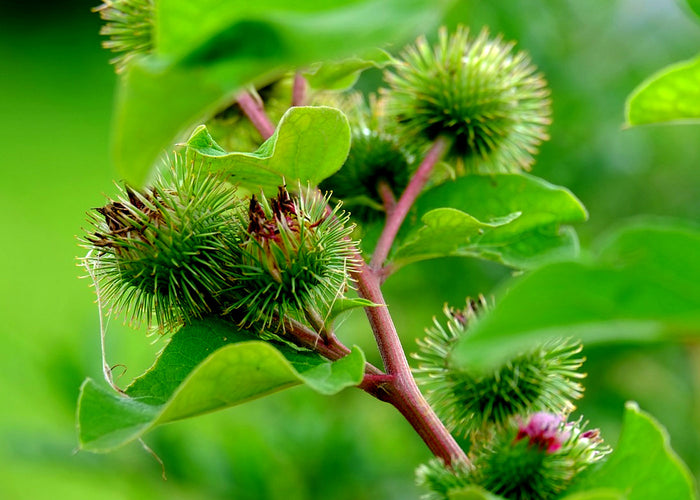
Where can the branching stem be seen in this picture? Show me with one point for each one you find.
(387, 196)
(252, 107)
(299, 90)
(402, 391)
(400, 210)
(397, 387)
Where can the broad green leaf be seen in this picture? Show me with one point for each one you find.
(510, 218)
(597, 494)
(642, 285)
(206, 366)
(534, 248)
(472, 493)
(310, 144)
(447, 231)
(207, 50)
(642, 465)
(671, 95)
(342, 75)
(694, 6)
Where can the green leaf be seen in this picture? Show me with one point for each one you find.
(514, 219)
(597, 494)
(472, 493)
(642, 466)
(642, 285)
(206, 366)
(310, 144)
(447, 231)
(535, 248)
(671, 95)
(344, 304)
(342, 75)
(694, 6)
(207, 50)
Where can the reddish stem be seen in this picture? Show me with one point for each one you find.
(398, 214)
(387, 196)
(252, 107)
(299, 90)
(396, 387)
(402, 392)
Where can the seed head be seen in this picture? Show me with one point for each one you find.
(129, 28)
(163, 255)
(489, 100)
(377, 160)
(296, 255)
(533, 461)
(545, 378)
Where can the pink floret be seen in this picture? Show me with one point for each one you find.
(544, 430)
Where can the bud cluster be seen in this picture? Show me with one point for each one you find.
(188, 247)
(163, 255)
(532, 459)
(544, 378)
(488, 99)
(515, 415)
(129, 28)
(296, 256)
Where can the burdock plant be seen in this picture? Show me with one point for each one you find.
(128, 28)
(163, 255)
(542, 378)
(488, 99)
(295, 258)
(248, 259)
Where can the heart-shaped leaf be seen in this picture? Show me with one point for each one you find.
(642, 465)
(643, 285)
(514, 219)
(671, 95)
(206, 366)
(310, 144)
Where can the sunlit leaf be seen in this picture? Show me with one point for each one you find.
(341, 75)
(310, 144)
(642, 465)
(207, 50)
(447, 231)
(671, 95)
(642, 285)
(514, 219)
(207, 366)
(348, 304)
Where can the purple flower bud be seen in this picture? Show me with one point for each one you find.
(593, 434)
(545, 431)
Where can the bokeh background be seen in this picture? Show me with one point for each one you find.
(56, 91)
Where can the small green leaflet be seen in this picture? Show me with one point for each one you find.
(514, 219)
(671, 95)
(310, 144)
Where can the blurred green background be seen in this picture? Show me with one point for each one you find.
(55, 102)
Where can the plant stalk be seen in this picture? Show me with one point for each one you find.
(400, 210)
(252, 107)
(402, 391)
(299, 90)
